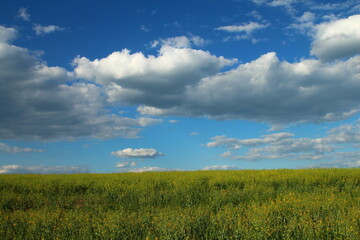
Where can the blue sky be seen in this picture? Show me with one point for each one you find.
(118, 86)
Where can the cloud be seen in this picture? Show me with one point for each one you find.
(224, 167)
(287, 4)
(247, 28)
(305, 23)
(347, 133)
(194, 134)
(48, 103)
(23, 14)
(153, 169)
(137, 153)
(126, 164)
(144, 28)
(273, 91)
(335, 146)
(7, 34)
(156, 80)
(233, 143)
(42, 169)
(43, 30)
(180, 42)
(343, 163)
(8, 149)
(337, 39)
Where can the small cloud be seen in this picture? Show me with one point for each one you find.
(247, 28)
(337, 164)
(180, 42)
(23, 14)
(7, 149)
(226, 154)
(137, 153)
(144, 28)
(43, 30)
(173, 121)
(194, 134)
(41, 169)
(224, 167)
(305, 23)
(246, 31)
(126, 164)
(153, 169)
(255, 14)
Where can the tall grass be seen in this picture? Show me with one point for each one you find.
(272, 204)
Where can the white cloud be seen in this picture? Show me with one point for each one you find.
(126, 164)
(7, 34)
(137, 153)
(153, 169)
(45, 103)
(43, 30)
(246, 31)
(337, 39)
(273, 91)
(8, 149)
(248, 28)
(233, 143)
(287, 4)
(223, 167)
(42, 169)
(305, 23)
(145, 28)
(338, 163)
(159, 80)
(194, 134)
(23, 14)
(286, 146)
(180, 42)
(347, 133)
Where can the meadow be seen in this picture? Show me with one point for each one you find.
(247, 204)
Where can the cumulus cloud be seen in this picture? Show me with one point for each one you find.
(8, 149)
(137, 153)
(23, 14)
(155, 80)
(7, 34)
(274, 91)
(337, 39)
(42, 169)
(46, 103)
(43, 30)
(223, 167)
(188, 82)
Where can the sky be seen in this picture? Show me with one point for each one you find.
(134, 86)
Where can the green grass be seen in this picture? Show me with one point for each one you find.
(272, 204)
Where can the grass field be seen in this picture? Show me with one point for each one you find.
(271, 204)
